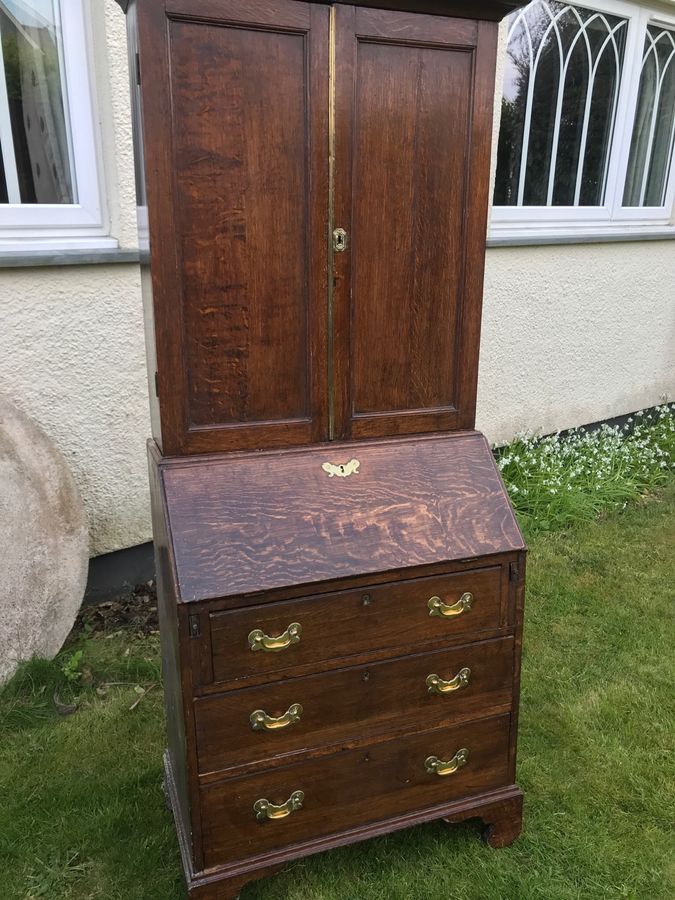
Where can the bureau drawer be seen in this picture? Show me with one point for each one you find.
(258, 723)
(276, 636)
(351, 788)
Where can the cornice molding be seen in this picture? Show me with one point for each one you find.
(480, 9)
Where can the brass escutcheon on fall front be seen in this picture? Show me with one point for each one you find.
(436, 766)
(437, 685)
(258, 640)
(264, 809)
(343, 470)
(438, 608)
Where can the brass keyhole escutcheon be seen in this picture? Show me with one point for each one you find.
(339, 240)
(341, 470)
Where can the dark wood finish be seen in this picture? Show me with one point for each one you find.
(236, 141)
(518, 588)
(221, 882)
(479, 9)
(235, 113)
(352, 787)
(343, 705)
(177, 738)
(483, 9)
(345, 715)
(502, 820)
(412, 163)
(339, 625)
(254, 523)
(260, 127)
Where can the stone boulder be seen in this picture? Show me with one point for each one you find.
(43, 543)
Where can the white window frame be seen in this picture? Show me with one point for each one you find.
(532, 222)
(81, 225)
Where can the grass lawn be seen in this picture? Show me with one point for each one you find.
(82, 814)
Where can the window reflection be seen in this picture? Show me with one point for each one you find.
(36, 155)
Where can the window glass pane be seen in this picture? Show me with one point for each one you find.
(3, 182)
(37, 160)
(561, 88)
(651, 149)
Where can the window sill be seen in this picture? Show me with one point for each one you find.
(535, 238)
(27, 259)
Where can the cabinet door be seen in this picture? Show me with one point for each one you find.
(235, 102)
(413, 126)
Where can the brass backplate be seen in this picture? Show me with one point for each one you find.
(341, 470)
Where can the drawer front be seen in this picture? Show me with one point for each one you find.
(351, 788)
(256, 724)
(264, 639)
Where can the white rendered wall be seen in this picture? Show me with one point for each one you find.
(72, 353)
(571, 334)
(575, 333)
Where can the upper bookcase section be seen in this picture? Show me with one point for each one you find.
(316, 179)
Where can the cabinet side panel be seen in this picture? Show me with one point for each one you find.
(142, 222)
(171, 667)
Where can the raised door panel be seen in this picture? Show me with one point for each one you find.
(242, 219)
(411, 171)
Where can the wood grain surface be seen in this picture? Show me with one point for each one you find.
(472, 9)
(268, 344)
(361, 702)
(249, 523)
(235, 109)
(352, 788)
(351, 622)
(412, 98)
(408, 209)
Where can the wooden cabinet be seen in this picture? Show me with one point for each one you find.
(340, 574)
(342, 654)
(271, 129)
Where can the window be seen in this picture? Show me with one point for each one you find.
(49, 184)
(587, 131)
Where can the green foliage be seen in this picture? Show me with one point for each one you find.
(558, 481)
(71, 666)
(83, 816)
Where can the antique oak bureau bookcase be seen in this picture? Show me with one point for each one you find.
(340, 574)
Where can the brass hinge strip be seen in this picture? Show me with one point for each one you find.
(194, 625)
(331, 216)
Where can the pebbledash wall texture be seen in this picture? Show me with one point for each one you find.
(571, 333)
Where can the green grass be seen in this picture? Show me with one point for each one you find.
(82, 814)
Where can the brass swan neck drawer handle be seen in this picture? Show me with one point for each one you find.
(438, 685)
(260, 721)
(264, 810)
(438, 608)
(258, 640)
(436, 766)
